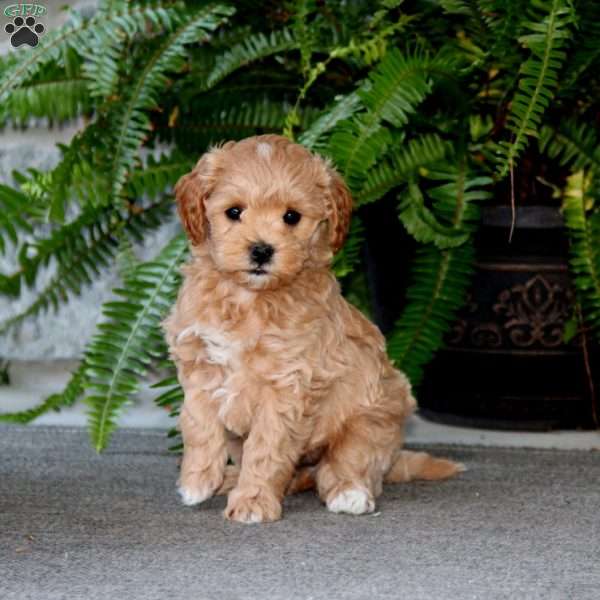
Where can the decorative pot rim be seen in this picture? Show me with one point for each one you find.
(527, 217)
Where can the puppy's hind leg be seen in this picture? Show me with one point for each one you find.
(350, 475)
(303, 480)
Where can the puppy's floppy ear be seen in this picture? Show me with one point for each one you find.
(192, 191)
(340, 202)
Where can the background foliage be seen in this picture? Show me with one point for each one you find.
(435, 104)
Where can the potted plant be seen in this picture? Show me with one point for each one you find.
(428, 109)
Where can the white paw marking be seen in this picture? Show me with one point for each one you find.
(253, 518)
(192, 497)
(353, 502)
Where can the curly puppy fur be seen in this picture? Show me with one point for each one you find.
(281, 375)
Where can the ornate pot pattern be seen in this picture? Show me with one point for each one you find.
(506, 364)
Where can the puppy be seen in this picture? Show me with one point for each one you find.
(282, 377)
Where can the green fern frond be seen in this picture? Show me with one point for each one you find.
(304, 34)
(539, 79)
(60, 245)
(572, 144)
(17, 212)
(402, 163)
(171, 399)
(126, 259)
(104, 60)
(585, 58)
(422, 224)
(437, 292)
(75, 177)
(254, 48)
(119, 355)
(504, 20)
(75, 34)
(440, 278)
(158, 175)
(456, 201)
(346, 260)
(72, 392)
(261, 114)
(392, 92)
(173, 396)
(398, 84)
(58, 99)
(132, 123)
(582, 219)
(81, 249)
(343, 108)
(355, 146)
(79, 177)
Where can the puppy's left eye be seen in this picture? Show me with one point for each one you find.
(292, 217)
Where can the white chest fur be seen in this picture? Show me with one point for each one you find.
(221, 349)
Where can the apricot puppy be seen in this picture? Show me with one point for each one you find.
(281, 375)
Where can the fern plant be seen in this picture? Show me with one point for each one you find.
(428, 105)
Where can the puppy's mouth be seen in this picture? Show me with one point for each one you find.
(258, 271)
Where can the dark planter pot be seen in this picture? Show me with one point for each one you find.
(505, 364)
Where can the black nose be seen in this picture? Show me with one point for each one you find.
(261, 253)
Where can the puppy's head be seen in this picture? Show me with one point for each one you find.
(265, 209)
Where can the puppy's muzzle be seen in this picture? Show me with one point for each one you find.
(261, 253)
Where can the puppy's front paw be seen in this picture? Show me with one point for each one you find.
(353, 501)
(255, 507)
(195, 488)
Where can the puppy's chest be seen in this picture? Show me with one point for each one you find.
(219, 347)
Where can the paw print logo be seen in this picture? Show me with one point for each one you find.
(24, 31)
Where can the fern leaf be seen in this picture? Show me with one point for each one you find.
(81, 250)
(75, 34)
(343, 108)
(356, 145)
(17, 212)
(393, 90)
(440, 278)
(119, 355)
(585, 58)
(172, 399)
(251, 116)
(438, 290)
(58, 99)
(572, 144)
(582, 219)
(72, 392)
(346, 260)
(132, 123)
(254, 48)
(539, 80)
(401, 164)
(422, 224)
(76, 176)
(158, 175)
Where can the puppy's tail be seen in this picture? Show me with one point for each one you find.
(408, 466)
(419, 465)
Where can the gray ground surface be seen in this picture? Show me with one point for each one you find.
(518, 524)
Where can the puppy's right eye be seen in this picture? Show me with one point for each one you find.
(234, 213)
